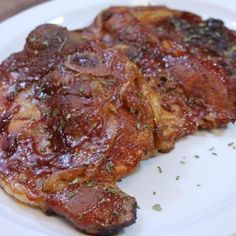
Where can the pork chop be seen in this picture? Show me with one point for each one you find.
(195, 93)
(75, 118)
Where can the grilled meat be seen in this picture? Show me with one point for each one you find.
(206, 39)
(75, 118)
(196, 93)
(77, 115)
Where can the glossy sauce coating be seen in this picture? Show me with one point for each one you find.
(75, 118)
(195, 92)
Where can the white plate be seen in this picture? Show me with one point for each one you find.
(188, 209)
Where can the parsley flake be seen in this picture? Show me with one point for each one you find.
(81, 215)
(71, 195)
(109, 167)
(76, 181)
(137, 206)
(111, 190)
(115, 213)
(62, 45)
(90, 184)
(159, 168)
(157, 207)
(45, 43)
(102, 200)
(68, 116)
(211, 149)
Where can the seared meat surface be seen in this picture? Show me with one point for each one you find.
(196, 93)
(207, 39)
(75, 118)
(77, 114)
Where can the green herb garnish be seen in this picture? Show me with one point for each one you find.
(81, 215)
(90, 184)
(71, 195)
(231, 144)
(102, 200)
(111, 190)
(33, 39)
(157, 207)
(138, 126)
(55, 112)
(68, 116)
(45, 43)
(137, 206)
(109, 167)
(62, 45)
(159, 168)
(76, 181)
(115, 213)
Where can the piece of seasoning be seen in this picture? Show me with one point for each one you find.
(159, 168)
(89, 184)
(111, 190)
(109, 167)
(45, 43)
(138, 126)
(214, 153)
(59, 39)
(76, 181)
(154, 192)
(81, 215)
(114, 110)
(157, 207)
(22, 178)
(33, 39)
(102, 200)
(68, 116)
(198, 185)
(71, 195)
(115, 213)
(124, 195)
(211, 149)
(61, 124)
(62, 45)
(137, 206)
(177, 177)
(55, 112)
(91, 147)
(230, 144)
(94, 125)
(183, 162)
(196, 156)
